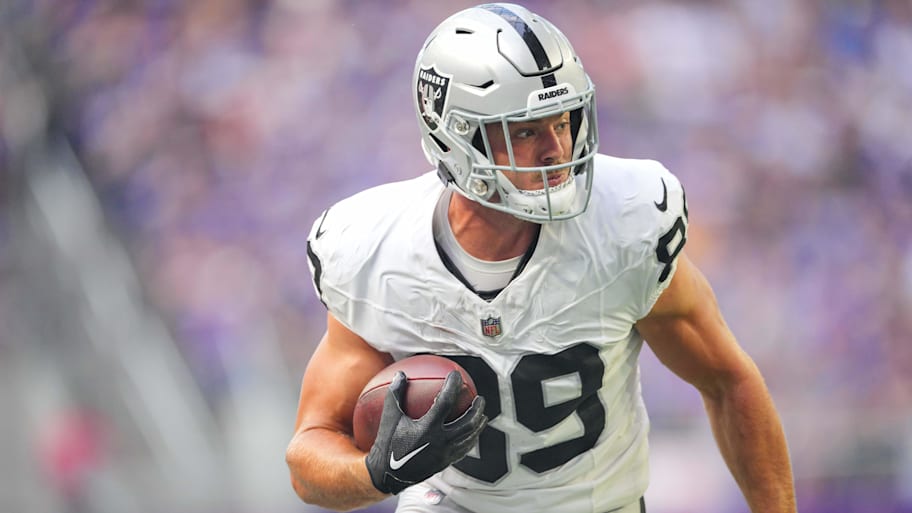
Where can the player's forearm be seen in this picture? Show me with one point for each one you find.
(328, 471)
(751, 440)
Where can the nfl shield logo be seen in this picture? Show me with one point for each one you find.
(490, 327)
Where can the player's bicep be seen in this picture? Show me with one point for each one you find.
(339, 368)
(686, 331)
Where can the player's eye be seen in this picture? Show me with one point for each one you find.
(523, 133)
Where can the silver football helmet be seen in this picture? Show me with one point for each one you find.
(498, 64)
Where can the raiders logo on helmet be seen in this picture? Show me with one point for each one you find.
(433, 89)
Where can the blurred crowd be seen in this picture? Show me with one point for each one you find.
(215, 131)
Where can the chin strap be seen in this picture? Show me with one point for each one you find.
(536, 202)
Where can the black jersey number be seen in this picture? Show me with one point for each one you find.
(664, 252)
(534, 411)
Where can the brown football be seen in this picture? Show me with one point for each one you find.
(426, 374)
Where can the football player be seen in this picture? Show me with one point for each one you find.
(540, 266)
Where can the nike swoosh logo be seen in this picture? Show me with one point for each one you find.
(320, 230)
(663, 206)
(397, 464)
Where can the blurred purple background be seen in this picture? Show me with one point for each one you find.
(162, 162)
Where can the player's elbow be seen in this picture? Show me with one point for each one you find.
(307, 493)
(298, 483)
(734, 380)
(738, 373)
(308, 482)
(299, 489)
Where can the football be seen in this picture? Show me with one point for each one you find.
(426, 374)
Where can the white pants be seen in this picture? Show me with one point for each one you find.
(422, 498)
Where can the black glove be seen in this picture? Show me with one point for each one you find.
(408, 451)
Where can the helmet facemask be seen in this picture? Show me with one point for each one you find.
(486, 182)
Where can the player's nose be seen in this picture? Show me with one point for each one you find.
(551, 147)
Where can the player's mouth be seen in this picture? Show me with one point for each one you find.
(556, 178)
(563, 180)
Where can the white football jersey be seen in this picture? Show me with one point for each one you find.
(554, 353)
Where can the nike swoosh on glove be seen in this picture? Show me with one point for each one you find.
(408, 451)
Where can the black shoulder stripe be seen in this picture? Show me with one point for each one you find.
(684, 198)
(318, 271)
(531, 40)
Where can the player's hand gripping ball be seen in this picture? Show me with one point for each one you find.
(426, 375)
